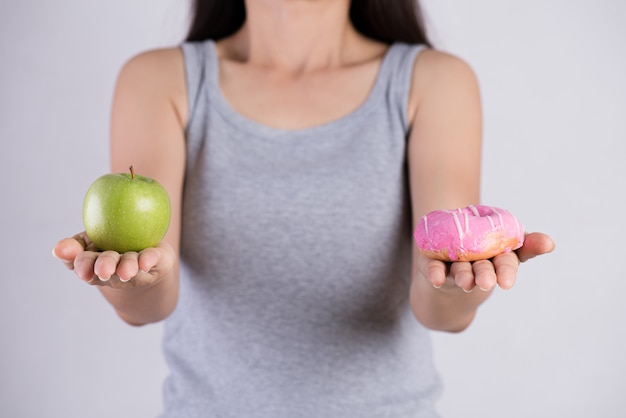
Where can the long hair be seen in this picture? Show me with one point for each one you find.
(383, 20)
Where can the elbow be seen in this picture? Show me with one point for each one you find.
(133, 322)
(453, 325)
(139, 322)
(457, 328)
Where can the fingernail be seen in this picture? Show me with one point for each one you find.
(436, 286)
(102, 279)
(55, 255)
(467, 291)
(123, 280)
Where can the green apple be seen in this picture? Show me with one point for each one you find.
(126, 212)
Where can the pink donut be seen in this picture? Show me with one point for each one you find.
(473, 233)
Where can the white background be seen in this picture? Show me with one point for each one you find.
(554, 96)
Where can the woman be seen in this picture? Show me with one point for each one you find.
(298, 140)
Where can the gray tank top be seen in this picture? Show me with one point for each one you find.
(295, 262)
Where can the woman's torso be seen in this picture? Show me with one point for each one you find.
(295, 253)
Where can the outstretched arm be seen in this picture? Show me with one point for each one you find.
(444, 154)
(147, 131)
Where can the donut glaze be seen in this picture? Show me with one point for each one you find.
(476, 232)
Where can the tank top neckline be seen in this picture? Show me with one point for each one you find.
(259, 129)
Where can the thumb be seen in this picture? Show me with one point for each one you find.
(535, 243)
(67, 249)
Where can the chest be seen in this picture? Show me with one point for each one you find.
(322, 220)
(288, 101)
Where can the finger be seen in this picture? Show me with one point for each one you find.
(535, 243)
(506, 266)
(463, 275)
(84, 264)
(484, 274)
(148, 259)
(106, 264)
(436, 272)
(128, 266)
(66, 250)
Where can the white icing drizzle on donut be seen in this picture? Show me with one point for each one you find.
(493, 226)
(466, 223)
(474, 210)
(426, 224)
(459, 229)
(499, 217)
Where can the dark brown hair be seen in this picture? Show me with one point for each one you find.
(384, 20)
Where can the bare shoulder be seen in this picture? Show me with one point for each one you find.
(435, 59)
(156, 64)
(442, 76)
(155, 76)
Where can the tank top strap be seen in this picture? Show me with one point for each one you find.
(397, 71)
(196, 56)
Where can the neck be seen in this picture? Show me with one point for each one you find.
(295, 35)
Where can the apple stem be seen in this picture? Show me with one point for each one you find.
(132, 172)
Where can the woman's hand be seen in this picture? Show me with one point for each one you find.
(442, 294)
(485, 274)
(111, 269)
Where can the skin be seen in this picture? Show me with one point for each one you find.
(296, 64)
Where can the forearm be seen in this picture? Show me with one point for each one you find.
(147, 304)
(448, 308)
